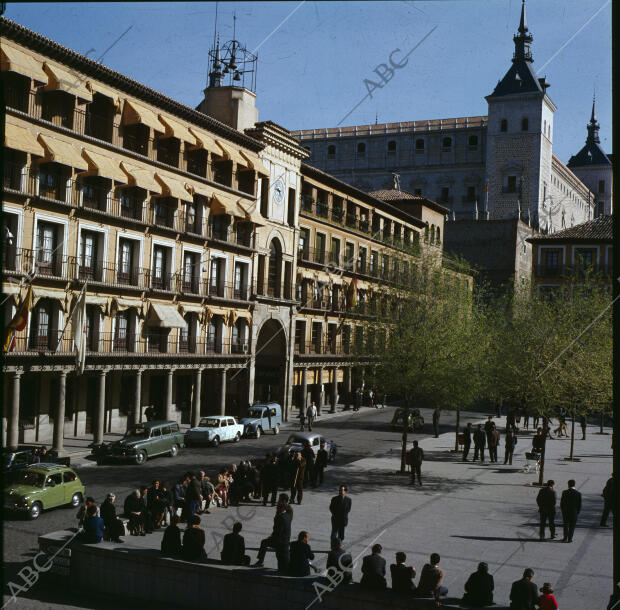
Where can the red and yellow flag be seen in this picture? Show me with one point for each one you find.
(19, 321)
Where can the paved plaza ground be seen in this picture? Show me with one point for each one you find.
(466, 512)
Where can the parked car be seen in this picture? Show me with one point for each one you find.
(141, 442)
(296, 441)
(262, 417)
(416, 421)
(42, 486)
(215, 429)
(21, 457)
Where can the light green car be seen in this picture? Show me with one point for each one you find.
(42, 486)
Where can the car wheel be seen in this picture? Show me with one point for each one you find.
(258, 432)
(35, 511)
(76, 500)
(276, 429)
(174, 450)
(216, 441)
(237, 437)
(140, 457)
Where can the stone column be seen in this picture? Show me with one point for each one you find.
(319, 402)
(137, 399)
(334, 392)
(168, 413)
(197, 401)
(304, 389)
(12, 432)
(223, 394)
(59, 419)
(100, 417)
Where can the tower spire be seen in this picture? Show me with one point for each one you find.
(593, 126)
(523, 40)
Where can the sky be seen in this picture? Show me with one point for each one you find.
(318, 60)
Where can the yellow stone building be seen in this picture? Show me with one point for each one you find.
(215, 263)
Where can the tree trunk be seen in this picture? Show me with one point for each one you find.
(602, 422)
(458, 423)
(403, 450)
(541, 474)
(572, 435)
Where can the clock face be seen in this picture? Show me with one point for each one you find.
(278, 191)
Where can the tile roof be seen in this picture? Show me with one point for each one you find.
(599, 229)
(395, 195)
(590, 154)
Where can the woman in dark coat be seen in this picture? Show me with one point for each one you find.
(114, 527)
(479, 587)
(194, 541)
(171, 540)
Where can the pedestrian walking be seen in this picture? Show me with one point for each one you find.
(298, 471)
(547, 501)
(524, 593)
(340, 507)
(584, 424)
(493, 439)
(570, 505)
(436, 415)
(608, 499)
(416, 456)
(311, 413)
(320, 464)
(466, 441)
(357, 401)
(479, 442)
(510, 441)
(269, 477)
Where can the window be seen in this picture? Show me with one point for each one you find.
(334, 256)
(419, 145)
(216, 276)
(121, 331)
(445, 194)
(89, 263)
(446, 144)
(601, 186)
(160, 279)
(525, 124)
(40, 331)
(585, 257)
(391, 147)
(471, 194)
(156, 432)
(191, 272)
(331, 152)
(68, 476)
(304, 241)
(241, 281)
(319, 251)
(503, 125)
(300, 336)
(361, 149)
(317, 336)
(552, 259)
(49, 261)
(361, 260)
(264, 197)
(511, 184)
(292, 203)
(473, 142)
(127, 269)
(275, 269)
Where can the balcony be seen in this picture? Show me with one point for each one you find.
(190, 223)
(338, 215)
(128, 207)
(12, 176)
(158, 280)
(307, 203)
(188, 284)
(322, 209)
(222, 290)
(361, 267)
(162, 216)
(321, 347)
(46, 262)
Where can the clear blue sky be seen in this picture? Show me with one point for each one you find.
(311, 70)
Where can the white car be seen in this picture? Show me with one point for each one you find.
(215, 429)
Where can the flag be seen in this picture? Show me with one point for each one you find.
(19, 321)
(79, 332)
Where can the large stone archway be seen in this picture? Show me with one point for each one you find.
(270, 363)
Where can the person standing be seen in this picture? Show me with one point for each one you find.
(311, 413)
(302, 419)
(436, 415)
(510, 440)
(280, 538)
(309, 474)
(479, 442)
(373, 570)
(298, 471)
(340, 507)
(608, 499)
(466, 441)
(570, 505)
(357, 402)
(193, 497)
(320, 464)
(524, 593)
(493, 438)
(488, 428)
(149, 413)
(416, 457)
(546, 501)
(584, 424)
(269, 475)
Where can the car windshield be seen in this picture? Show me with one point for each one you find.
(209, 422)
(8, 458)
(137, 432)
(30, 478)
(293, 438)
(255, 413)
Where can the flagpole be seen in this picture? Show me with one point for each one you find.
(70, 316)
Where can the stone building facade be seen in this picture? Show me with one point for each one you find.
(198, 240)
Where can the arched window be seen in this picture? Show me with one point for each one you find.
(331, 151)
(438, 236)
(473, 142)
(391, 147)
(432, 234)
(545, 127)
(426, 234)
(446, 144)
(419, 145)
(525, 124)
(275, 267)
(503, 126)
(361, 149)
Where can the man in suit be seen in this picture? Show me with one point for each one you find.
(466, 441)
(402, 575)
(308, 455)
(608, 502)
(233, 552)
(320, 464)
(570, 505)
(373, 570)
(493, 440)
(298, 471)
(546, 501)
(340, 561)
(301, 554)
(340, 507)
(416, 456)
(269, 480)
(436, 415)
(280, 538)
(479, 442)
(524, 593)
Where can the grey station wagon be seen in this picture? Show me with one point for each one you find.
(142, 441)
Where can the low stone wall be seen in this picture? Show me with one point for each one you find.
(144, 575)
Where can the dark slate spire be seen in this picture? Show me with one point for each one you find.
(591, 153)
(593, 126)
(523, 40)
